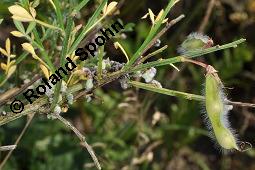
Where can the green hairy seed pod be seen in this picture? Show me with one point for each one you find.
(195, 41)
(217, 112)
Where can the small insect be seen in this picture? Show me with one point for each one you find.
(149, 74)
(8, 147)
(195, 41)
(3, 113)
(217, 112)
(157, 43)
(89, 84)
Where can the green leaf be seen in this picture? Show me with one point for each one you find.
(62, 60)
(19, 26)
(21, 57)
(59, 13)
(35, 3)
(80, 5)
(38, 42)
(1, 20)
(30, 27)
(66, 40)
(129, 27)
(89, 25)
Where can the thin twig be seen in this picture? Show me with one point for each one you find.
(82, 139)
(206, 17)
(240, 104)
(30, 118)
(184, 59)
(153, 54)
(20, 90)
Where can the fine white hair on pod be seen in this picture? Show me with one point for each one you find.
(195, 41)
(216, 117)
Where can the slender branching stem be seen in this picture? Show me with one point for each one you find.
(82, 139)
(30, 118)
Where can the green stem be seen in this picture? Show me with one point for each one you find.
(59, 14)
(100, 62)
(80, 6)
(62, 61)
(91, 24)
(152, 33)
(192, 54)
(169, 92)
(48, 25)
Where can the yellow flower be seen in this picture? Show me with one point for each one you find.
(118, 45)
(7, 50)
(3, 66)
(21, 14)
(160, 15)
(108, 9)
(73, 56)
(9, 67)
(45, 71)
(29, 48)
(152, 16)
(11, 70)
(17, 34)
(33, 12)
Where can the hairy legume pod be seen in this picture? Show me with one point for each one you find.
(217, 112)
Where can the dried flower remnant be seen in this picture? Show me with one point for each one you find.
(195, 41)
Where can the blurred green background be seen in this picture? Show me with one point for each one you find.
(135, 129)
